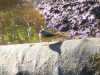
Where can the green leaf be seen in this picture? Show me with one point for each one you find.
(21, 36)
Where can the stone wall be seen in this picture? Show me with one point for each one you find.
(59, 58)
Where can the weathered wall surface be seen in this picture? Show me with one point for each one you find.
(62, 58)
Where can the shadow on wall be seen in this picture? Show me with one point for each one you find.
(60, 71)
(23, 73)
(56, 47)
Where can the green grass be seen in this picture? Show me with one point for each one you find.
(20, 25)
